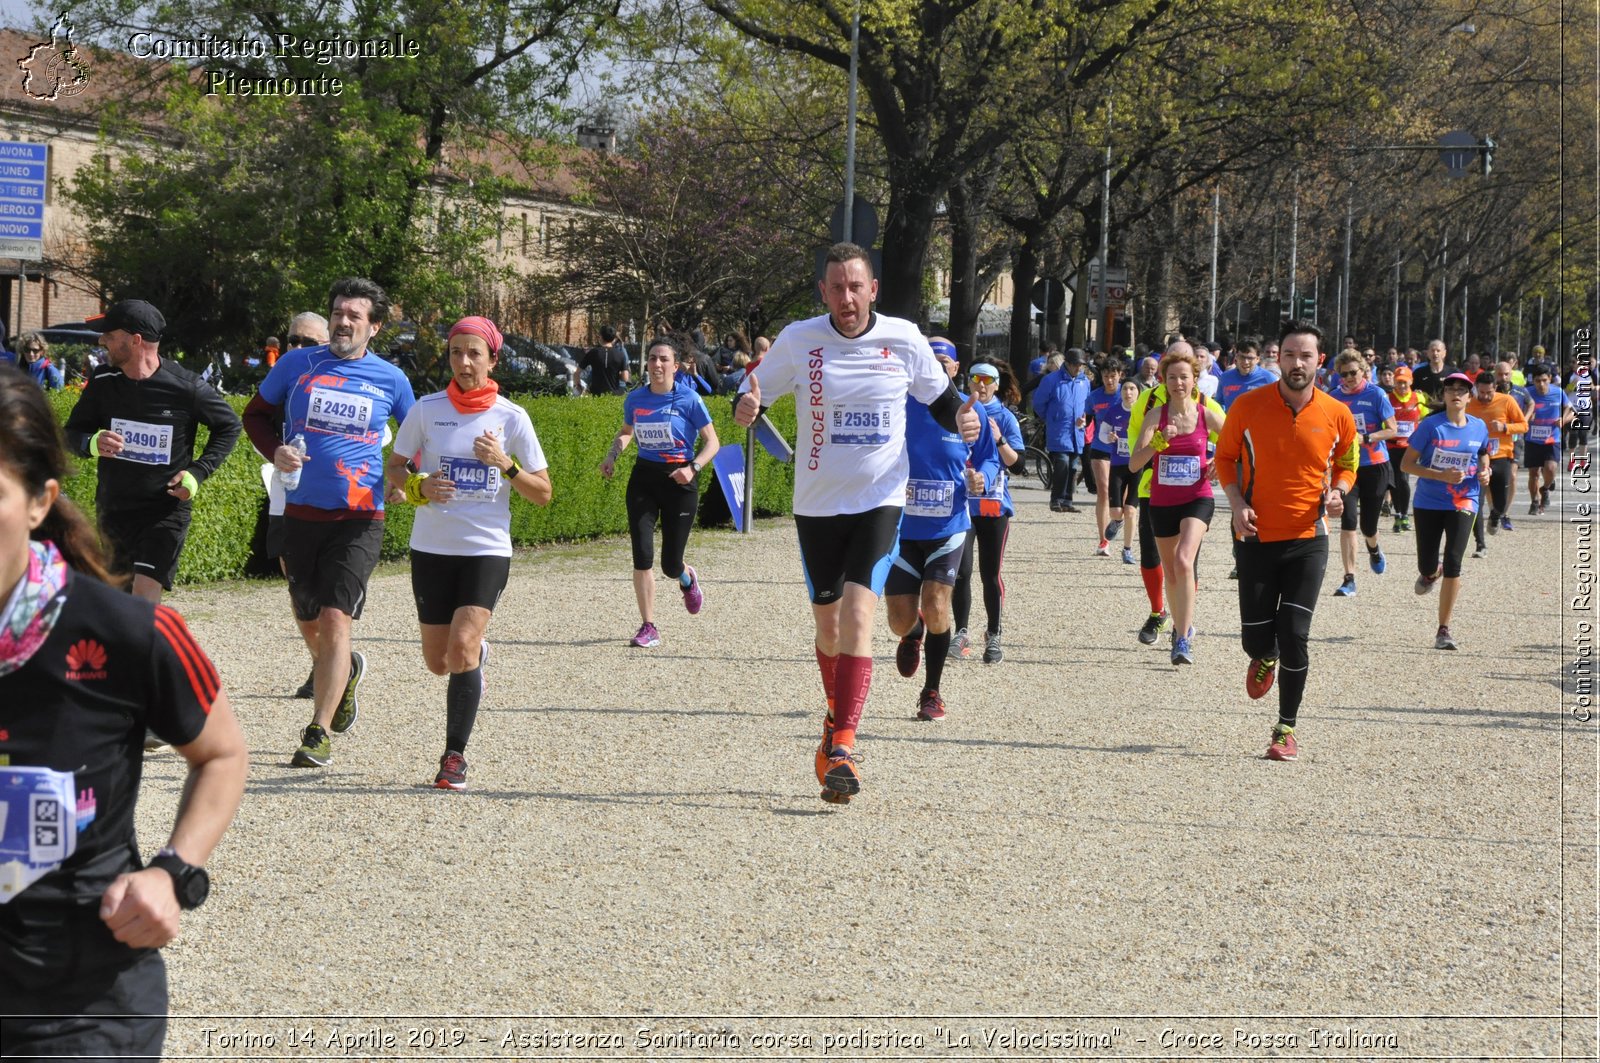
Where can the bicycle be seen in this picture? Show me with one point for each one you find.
(1034, 461)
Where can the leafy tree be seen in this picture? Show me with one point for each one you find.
(391, 178)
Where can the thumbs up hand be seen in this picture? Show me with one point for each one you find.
(967, 422)
(748, 408)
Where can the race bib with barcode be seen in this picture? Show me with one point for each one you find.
(1179, 470)
(38, 825)
(930, 498)
(856, 425)
(1107, 432)
(1445, 460)
(1541, 433)
(1404, 428)
(475, 481)
(341, 413)
(147, 444)
(654, 435)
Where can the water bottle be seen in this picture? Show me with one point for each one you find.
(291, 480)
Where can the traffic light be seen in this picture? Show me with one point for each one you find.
(1307, 310)
(1486, 148)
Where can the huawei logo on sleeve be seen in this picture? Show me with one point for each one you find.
(86, 660)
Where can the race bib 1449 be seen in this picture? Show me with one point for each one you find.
(147, 444)
(475, 481)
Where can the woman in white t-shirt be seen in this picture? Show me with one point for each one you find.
(471, 448)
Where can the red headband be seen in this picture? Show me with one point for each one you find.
(480, 327)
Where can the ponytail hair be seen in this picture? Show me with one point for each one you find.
(32, 450)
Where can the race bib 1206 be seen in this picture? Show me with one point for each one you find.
(855, 425)
(474, 480)
(147, 444)
(342, 413)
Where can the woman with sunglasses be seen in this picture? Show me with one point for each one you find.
(994, 387)
(1375, 423)
(1449, 456)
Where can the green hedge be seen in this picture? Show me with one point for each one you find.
(224, 540)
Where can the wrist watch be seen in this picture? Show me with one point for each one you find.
(515, 470)
(190, 884)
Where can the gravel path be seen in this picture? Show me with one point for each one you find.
(1089, 857)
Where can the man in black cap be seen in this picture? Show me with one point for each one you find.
(138, 415)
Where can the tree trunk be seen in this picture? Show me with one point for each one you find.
(965, 297)
(905, 252)
(1024, 271)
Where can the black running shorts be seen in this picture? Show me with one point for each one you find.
(329, 563)
(443, 583)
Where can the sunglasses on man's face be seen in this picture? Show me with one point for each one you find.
(303, 341)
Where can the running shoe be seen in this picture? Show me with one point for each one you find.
(1481, 552)
(1533, 509)
(824, 748)
(1442, 640)
(1233, 573)
(1258, 679)
(1399, 524)
(1068, 507)
(308, 688)
(960, 646)
(1154, 625)
(316, 748)
(452, 771)
(1182, 652)
(1425, 584)
(1385, 509)
(1544, 499)
(1347, 589)
(693, 596)
(1378, 562)
(840, 780)
(1103, 550)
(1405, 522)
(1494, 525)
(1505, 524)
(991, 648)
(1283, 745)
(344, 717)
(647, 637)
(931, 706)
(908, 655)
(1113, 528)
(1127, 556)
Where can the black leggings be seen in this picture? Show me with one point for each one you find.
(1451, 525)
(1371, 482)
(1279, 583)
(990, 535)
(1502, 473)
(1149, 555)
(652, 494)
(1399, 482)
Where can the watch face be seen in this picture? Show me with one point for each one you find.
(196, 887)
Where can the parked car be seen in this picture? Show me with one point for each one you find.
(522, 354)
(67, 332)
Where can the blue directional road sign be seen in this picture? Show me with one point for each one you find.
(24, 172)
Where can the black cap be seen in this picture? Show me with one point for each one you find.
(1074, 356)
(130, 315)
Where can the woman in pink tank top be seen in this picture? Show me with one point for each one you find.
(1175, 446)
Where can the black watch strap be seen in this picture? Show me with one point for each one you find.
(190, 884)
